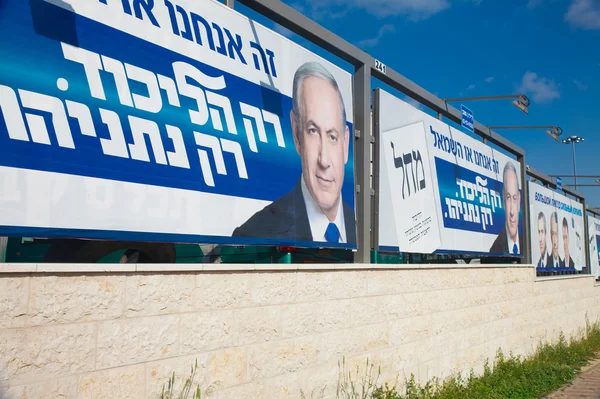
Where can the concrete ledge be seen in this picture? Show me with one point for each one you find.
(12, 268)
(567, 277)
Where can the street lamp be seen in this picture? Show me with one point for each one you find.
(521, 102)
(573, 140)
(552, 131)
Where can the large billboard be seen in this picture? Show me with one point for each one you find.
(441, 190)
(557, 230)
(594, 244)
(170, 120)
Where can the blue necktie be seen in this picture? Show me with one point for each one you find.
(515, 249)
(332, 234)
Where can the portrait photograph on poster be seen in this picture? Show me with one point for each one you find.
(164, 131)
(442, 191)
(557, 231)
(594, 244)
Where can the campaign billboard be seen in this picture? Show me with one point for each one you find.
(594, 244)
(170, 120)
(557, 231)
(442, 191)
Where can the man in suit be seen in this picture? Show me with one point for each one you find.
(567, 261)
(509, 240)
(545, 259)
(314, 209)
(555, 258)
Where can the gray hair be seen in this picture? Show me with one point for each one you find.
(509, 166)
(541, 216)
(554, 217)
(313, 69)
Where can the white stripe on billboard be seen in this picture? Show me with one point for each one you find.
(441, 190)
(557, 231)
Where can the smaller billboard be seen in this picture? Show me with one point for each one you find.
(594, 244)
(557, 227)
(442, 191)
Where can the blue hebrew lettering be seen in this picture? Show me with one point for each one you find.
(221, 47)
(147, 5)
(235, 45)
(196, 21)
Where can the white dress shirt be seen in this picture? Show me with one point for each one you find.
(512, 243)
(317, 219)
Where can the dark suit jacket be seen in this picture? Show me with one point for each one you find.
(571, 263)
(547, 261)
(286, 218)
(560, 261)
(501, 243)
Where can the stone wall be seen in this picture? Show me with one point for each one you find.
(119, 332)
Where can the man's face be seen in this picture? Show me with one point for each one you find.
(565, 236)
(322, 143)
(554, 238)
(512, 203)
(542, 236)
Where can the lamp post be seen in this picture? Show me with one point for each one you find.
(574, 140)
(521, 102)
(552, 131)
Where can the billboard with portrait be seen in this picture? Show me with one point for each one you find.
(441, 190)
(557, 231)
(594, 244)
(175, 121)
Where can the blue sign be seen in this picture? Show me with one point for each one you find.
(467, 119)
(559, 183)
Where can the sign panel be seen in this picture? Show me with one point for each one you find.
(446, 191)
(558, 183)
(557, 227)
(467, 119)
(172, 120)
(594, 243)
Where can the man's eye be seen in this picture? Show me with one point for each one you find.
(312, 130)
(333, 137)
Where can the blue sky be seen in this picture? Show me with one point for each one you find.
(547, 49)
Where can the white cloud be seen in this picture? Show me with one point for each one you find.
(580, 85)
(541, 90)
(374, 41)
(471, 86)
(584, 14)
(414, 10)
(489, 79)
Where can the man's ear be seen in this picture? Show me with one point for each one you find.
(295, 131)
(346, 143)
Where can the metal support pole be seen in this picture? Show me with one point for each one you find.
(230, 3)
(439, 115)
(586, 238)
(362, 161)
(526, 250)
(574, 165)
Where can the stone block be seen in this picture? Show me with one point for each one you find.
(64, 388)
(315, 317)
(67, 299)
(34, 354)
(14, 299)
(274, 288)
(257, 325)
(286, 386)
(156, 294)
(136, 340)
(223, 290)
(206, 331)
(367, 310)
(123, 383)
(280, 357)
(251, 390)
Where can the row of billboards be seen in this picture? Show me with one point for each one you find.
(184, 121)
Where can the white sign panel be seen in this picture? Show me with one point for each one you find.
(441, 190)
(557, 227)
(594, 242)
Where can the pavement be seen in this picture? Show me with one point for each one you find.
(585, 386)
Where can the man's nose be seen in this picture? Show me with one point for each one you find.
(324, 158)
